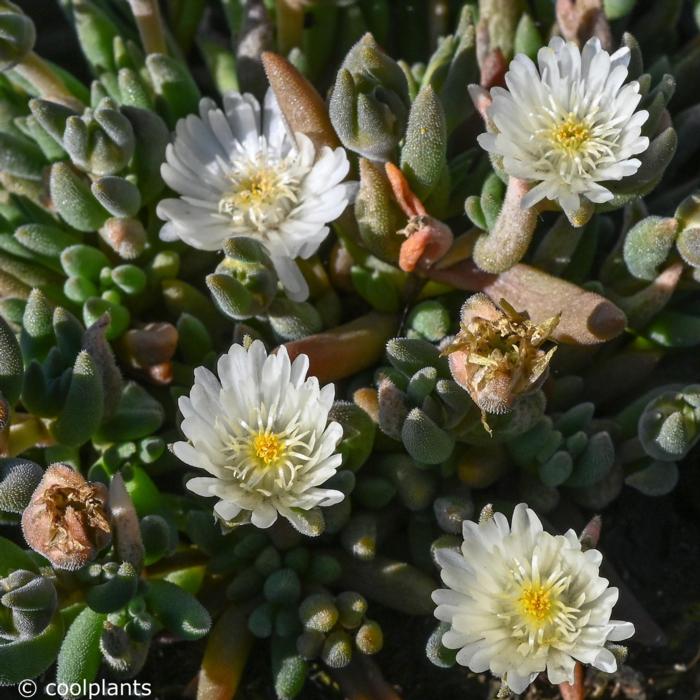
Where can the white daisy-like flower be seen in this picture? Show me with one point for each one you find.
(570, 126)
(261, 431)
(521, 601)
(240, 172)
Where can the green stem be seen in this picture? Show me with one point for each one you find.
(290, 25)
(188, 22)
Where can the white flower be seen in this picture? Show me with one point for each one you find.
(520, 601)
(569, 127)
(241, 173)
(261, 431)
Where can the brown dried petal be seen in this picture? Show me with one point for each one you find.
(428, 240)
(67, 519)
(496, 356)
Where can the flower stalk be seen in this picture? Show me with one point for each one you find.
(508, 241)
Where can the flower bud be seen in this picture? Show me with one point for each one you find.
(68, 519)
(497, 355)
(369, 102)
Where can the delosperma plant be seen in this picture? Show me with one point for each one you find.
(314, 310)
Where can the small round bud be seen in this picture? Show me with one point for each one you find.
(369, 638)
(352, 608)
(318, 612)
(337, 649)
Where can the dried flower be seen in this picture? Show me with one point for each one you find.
(497, 355)
(520, 601)
(67, 519)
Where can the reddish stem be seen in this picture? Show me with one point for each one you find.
(575, 691)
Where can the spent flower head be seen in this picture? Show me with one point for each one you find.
(567, 125)
(497, 355)
(521, 601)
(68, 518)
(241, 173)
(261, 431)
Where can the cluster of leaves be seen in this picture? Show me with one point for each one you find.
(102, 324)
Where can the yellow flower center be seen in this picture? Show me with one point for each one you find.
(571, 134)
(260, 187)
(267, 447)
(262, 192)
(535, 603)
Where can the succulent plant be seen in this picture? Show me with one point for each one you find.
(263, 364)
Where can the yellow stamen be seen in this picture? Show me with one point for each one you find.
(267, 447)
(257, 189)
(571, 134)
(536, 604)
